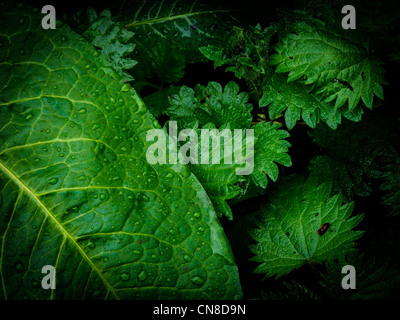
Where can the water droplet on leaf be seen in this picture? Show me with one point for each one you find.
(142, 276)
(125, 276)
(197, 280)
(125, 87)
(53, 181)
(19, 267)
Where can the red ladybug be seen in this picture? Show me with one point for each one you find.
(324, 228)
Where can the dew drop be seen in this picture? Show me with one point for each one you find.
(197, 280)
(146, 198)
(35, 284)
(196, 215)
(187, 258)
(82, 178)
(95, 126)
(169, 175)
(91, 245)
(83, 110)
(124, 149)
(102, 196)
(142, 276)
(53, 181)
(136, 251)
(19, 267)
(105, 259)
(87, 66)
(125, 276)
(125, 87)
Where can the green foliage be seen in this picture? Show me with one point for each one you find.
(211, 104)
(293, 98)
(245, 52)
(214, 107)
(168, 35)
(339, 67)
(270, 148)
(287, 235)
(112, 40)
(76, 189)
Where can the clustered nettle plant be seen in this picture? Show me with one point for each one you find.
(78, 193)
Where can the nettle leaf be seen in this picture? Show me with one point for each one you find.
(222, 181)
(217, 108)
(297, 101)
(375, 280)
(353, 155)
(340, 67)
(180, 26)
(293, 98)
(76, 190)
(288, 234)
(218, 179)
(112, 41)
(245, 52)
(270, 148)
(211, 104)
